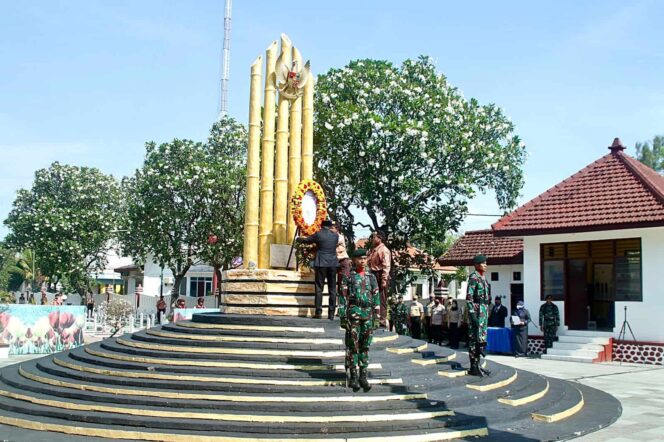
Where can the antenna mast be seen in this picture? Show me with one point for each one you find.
(226, 58)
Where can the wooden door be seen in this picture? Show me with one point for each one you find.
(576, 298)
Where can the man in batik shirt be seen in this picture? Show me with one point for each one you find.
(359, 310)
(478, 300)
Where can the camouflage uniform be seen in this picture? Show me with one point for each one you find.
(478, 299)
(357, 311)
(399, 316)
(549, 319)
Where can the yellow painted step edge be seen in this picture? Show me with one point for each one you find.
(550, 418)
(526, 399)
(245, 381)
(234, 351)
(453, 374)
(219, 364)
(385, 338)
(272, 328)
(189, 336)
(401, 351)
(227, 416)
(215, 397)
(434, 361)
(495, 385)
(170, 437)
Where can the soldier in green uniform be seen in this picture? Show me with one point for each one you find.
(399, 315)
(478, 301)
(549, 321)
(359, 312)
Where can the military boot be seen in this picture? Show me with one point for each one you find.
(485, 371)
(364, 382)
(475, 370)
(353, 383)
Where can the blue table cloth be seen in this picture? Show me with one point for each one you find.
(499, 340)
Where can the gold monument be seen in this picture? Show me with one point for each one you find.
(269, 282)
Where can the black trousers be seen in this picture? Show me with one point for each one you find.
(328, 274)
(415, 327)
(454, 336)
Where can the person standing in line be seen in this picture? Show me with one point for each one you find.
(399, 316)
(161, 308)
(416, 315)
(478, 299)
(90, 303)
(427, 317)
(380, 263)
(325, 267)
(454, 324)
(549, 321)
(520, 321)
(437, 315)
(498, 314)
(359, 311)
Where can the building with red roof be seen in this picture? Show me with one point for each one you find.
(595, 242)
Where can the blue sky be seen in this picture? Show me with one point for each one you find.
(88, 82)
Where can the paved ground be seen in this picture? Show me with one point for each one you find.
(640, 389)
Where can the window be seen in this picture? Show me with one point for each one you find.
(553, 279)
(494, 276)
(516, 276)
(199, 286)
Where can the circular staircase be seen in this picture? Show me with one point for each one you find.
(223, 377)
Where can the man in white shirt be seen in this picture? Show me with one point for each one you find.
(416, 313)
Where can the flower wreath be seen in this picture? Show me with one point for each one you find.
(296, 206)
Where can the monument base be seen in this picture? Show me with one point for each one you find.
(269, 292)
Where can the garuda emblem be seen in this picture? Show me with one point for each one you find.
(291, 80)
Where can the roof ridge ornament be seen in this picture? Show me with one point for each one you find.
(616, 146)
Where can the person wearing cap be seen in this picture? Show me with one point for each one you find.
(427, 317)
(437, 317)
(498, 314)
(325, 266)
(399, 315)
(416, 317)
(520, 320)
(478, 300)
(359, 312)
(549, 321)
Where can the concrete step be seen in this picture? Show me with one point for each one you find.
(578, 346)
(585, 359)
(589, 333)
(581, 353)
(583, 339)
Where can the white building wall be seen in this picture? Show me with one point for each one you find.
(152, 277)
(644, 317)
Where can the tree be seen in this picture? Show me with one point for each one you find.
(407, 149)
(224, 218)
(26, 268)
(67, 219)
(185, 193)
(651, 153)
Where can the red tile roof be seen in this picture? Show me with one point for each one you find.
(614, 192)
(497, 250)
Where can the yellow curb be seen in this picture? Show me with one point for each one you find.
(550, 418)
(489, 387)
(453, 374)
(170, 437)
(232, 351)
(526, 399)
(215, 397)
(385, 338)
(401, 351)
(189, 336)
(435, 360)
(219, 364)
(250, 327)
(227, 416)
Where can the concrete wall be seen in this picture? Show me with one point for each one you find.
(644, 317)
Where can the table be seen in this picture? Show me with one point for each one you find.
(499, 340)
